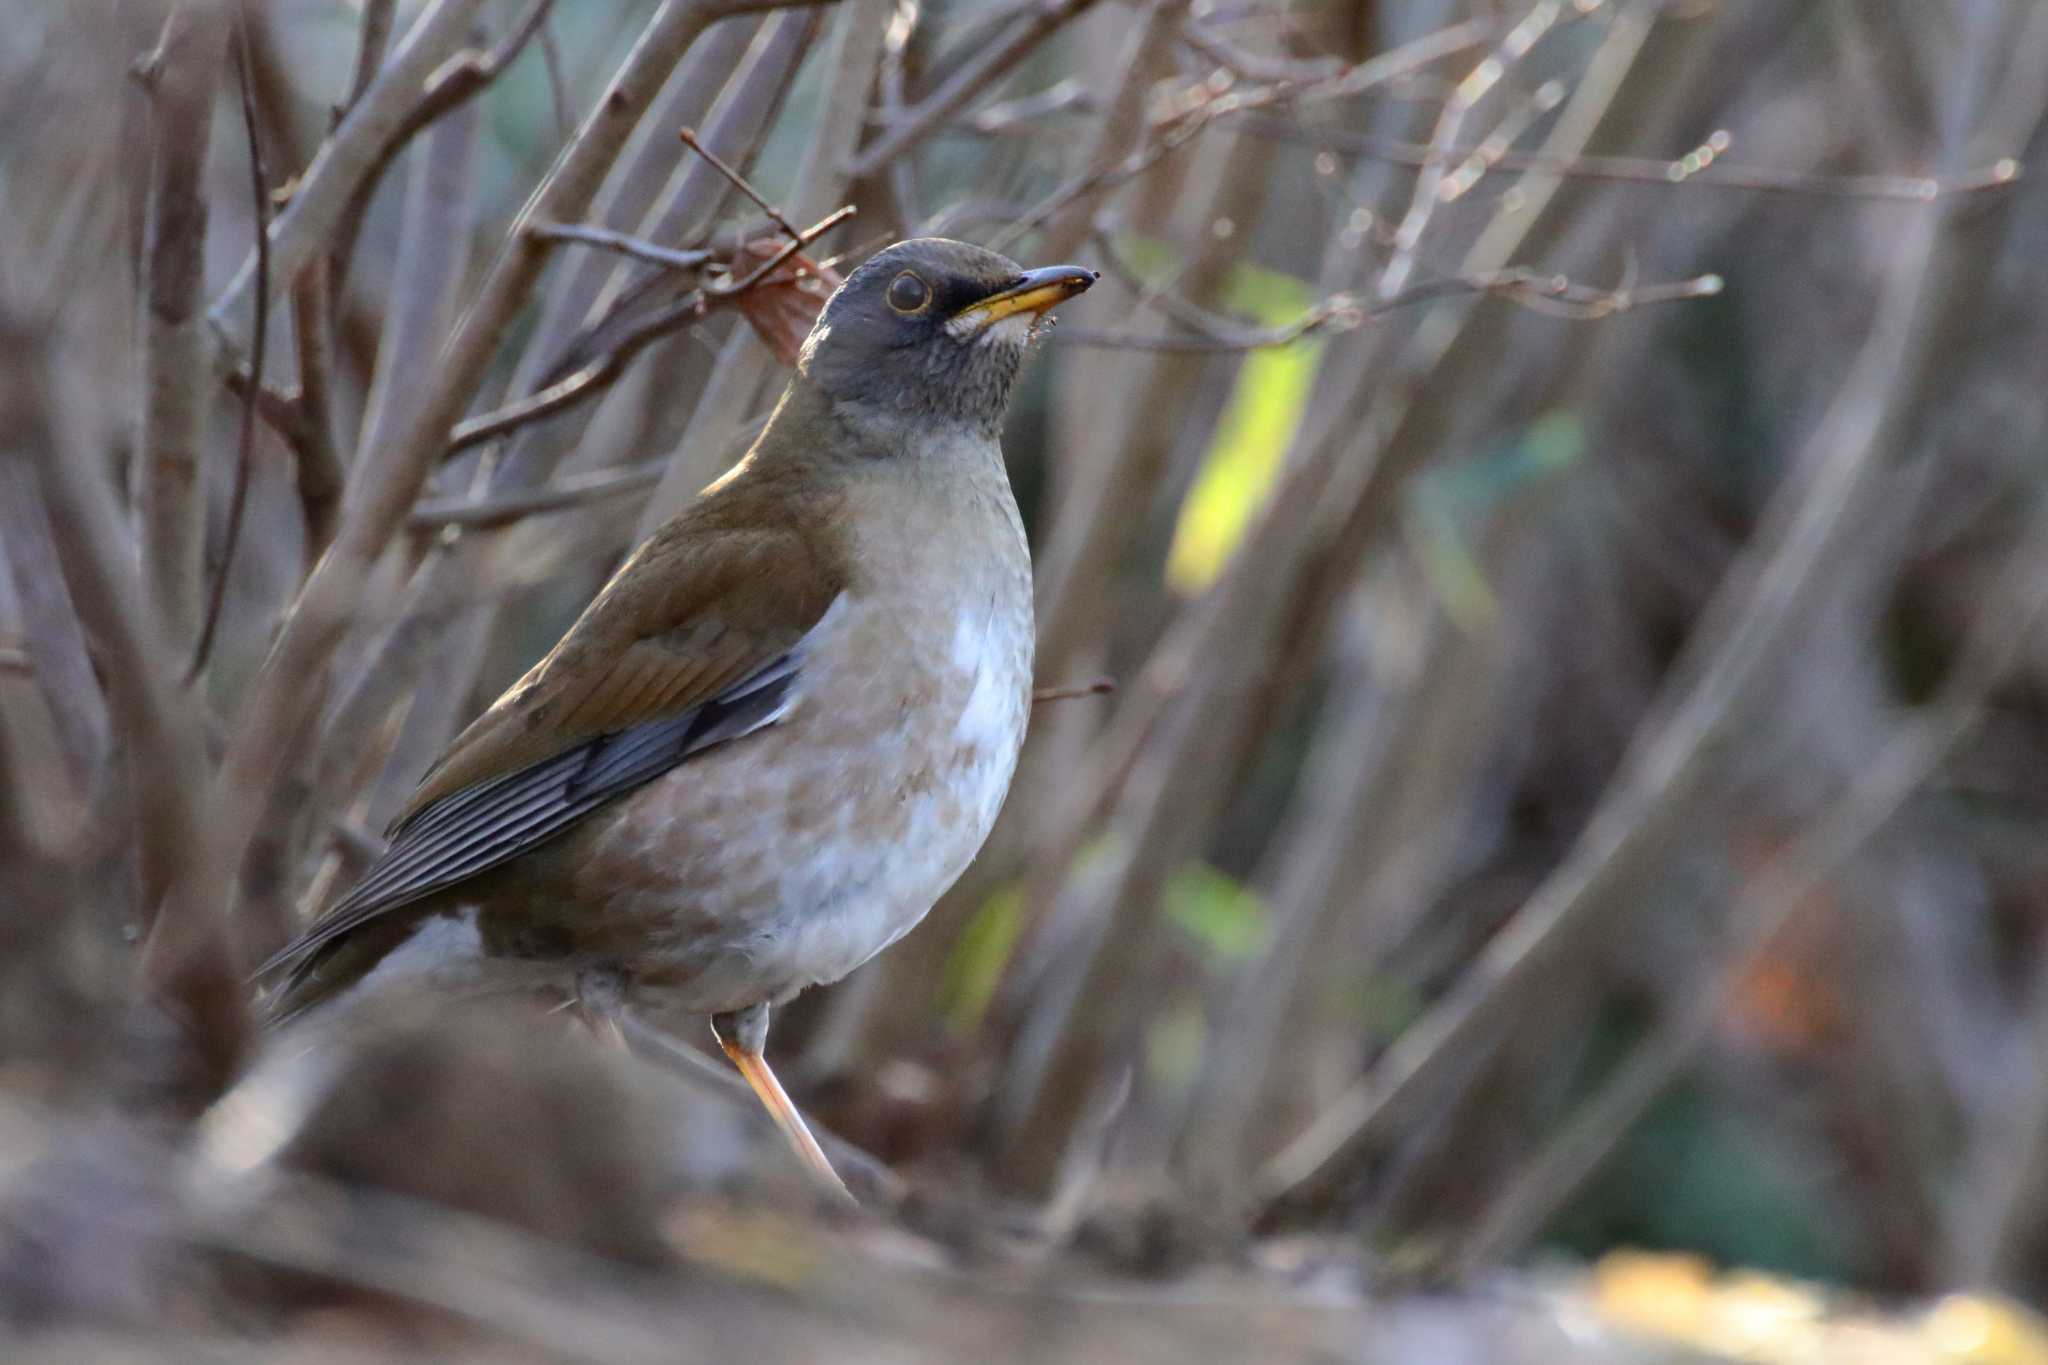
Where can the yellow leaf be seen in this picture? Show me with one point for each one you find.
(1259, 420)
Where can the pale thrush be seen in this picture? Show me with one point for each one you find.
(786, 724)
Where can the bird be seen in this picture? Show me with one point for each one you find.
(784, 726)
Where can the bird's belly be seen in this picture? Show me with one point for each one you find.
(788, 858)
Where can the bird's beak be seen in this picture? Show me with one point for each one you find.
(1036, 292)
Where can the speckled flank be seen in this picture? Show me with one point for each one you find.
(791, 857)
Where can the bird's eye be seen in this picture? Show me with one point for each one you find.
(908, 293)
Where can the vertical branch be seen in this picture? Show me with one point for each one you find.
(186, 966)
(181, 76)
(1762, 602)
(307, 225)
(432, 258)
(373, 36)
(245, 442)
(52, 636)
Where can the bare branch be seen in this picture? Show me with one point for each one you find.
(185, 69)
(1197, 106)
(373, 37)
(1430, 188)
(320, 473)
(186, 963)
(627, 342)
(1553, 294)
(245, 455)
(625, 244)
(1704, 167)
(1101, 687)
(1560, 1167)
(390, 476)
(346, 158)
(738, 182)
(1759, 605)
(979, 72)
(501, 509)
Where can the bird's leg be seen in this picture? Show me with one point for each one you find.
(743, 1033)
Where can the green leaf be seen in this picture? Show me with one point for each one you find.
(1225, 917)
(975, 965)
(1443, 500)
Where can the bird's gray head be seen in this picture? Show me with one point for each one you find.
(933, 329)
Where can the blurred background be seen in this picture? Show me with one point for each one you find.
(1556, 487)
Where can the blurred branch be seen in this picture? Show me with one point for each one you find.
(1761, 604)
(187, 965)
(1704, 167)
(355, 148)
(977, 73)
(1559, 1169)
(1101, 687)
(180, 76)
(321, 476)
(500, 509)
(245, 441)
(1429, 189)
(1210, 42)
(388, 479)
(460, 79)
(373, 37)
(493, 510)
(1343, 312)
(1180, 117)
(1198, 699)
(626, 342)
(558, 82)
(605, 239)
(53, 648)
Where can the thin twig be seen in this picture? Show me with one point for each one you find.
(1704, 167)
(339, 168)
(558, 81)
(1204, 39)
(185, 67)
(245, 441)
(1553, 294)
(738, 181)
(1746, 627)
(390, 475)
(1197, 107)
(1429, 184)
(978, 73)
(625, 244)
(463, 77)
(373, 36)
(600, 371)
(501, 509)
(1101, 687)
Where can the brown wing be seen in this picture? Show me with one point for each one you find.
(696, 641)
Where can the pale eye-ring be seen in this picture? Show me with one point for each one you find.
(908, 293)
